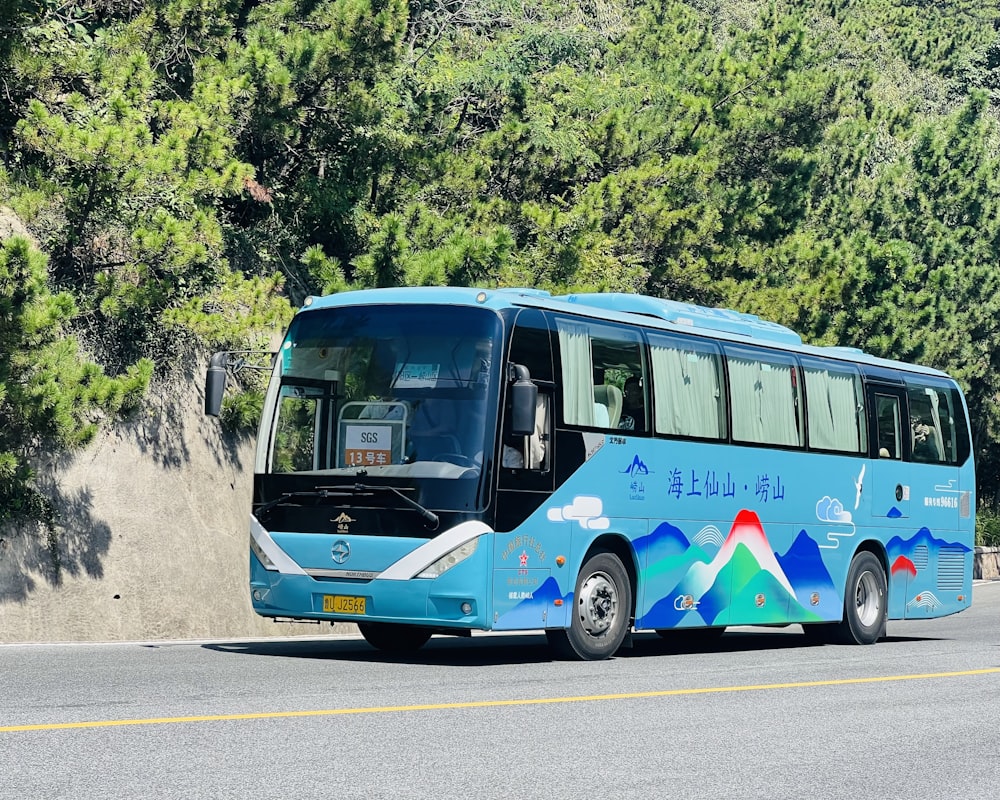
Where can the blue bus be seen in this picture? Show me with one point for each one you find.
(444, 460)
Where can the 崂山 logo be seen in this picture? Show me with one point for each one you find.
(341, 551)
(343, 519)
(342, 522)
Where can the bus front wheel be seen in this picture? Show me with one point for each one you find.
(602, 608)
(865, 601)
(393, 638)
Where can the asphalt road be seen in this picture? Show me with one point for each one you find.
(761, 714)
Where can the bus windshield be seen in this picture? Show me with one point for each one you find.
(387, 391)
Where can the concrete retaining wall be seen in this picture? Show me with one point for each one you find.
(987, 564)
(151, 540)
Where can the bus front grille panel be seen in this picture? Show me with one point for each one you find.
(951, 569)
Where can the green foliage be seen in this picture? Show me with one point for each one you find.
(987, 526)
(239, 313)
(130, 176)
(51, 396)
(193, 170)
(939, 37)
(241, 411)
(317, 139)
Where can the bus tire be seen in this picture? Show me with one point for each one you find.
(392, 638)
(865, 601)
(601, 613)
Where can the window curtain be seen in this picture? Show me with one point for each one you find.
(834, 421)
(577, 373)
(687, 392)
(763, 402)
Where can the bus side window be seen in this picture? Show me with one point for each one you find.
(687, 388)
(530, 346)
(889, 427)
(529, 452)
(931, 426)
(594, 359)
(835, 407)
(765, 397)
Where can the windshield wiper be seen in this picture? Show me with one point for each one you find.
(356, 488)
(284, 497)
(425, 513)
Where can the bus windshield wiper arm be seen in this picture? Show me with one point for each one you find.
(284, 497)
(425, 513)
(357, 488)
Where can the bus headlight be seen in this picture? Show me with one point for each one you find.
(266, 562)
(449, 560)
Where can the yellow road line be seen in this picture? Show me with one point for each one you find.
(114, 723)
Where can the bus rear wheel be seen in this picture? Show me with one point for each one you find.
(865, 601)
(601, 613)
(393, 638)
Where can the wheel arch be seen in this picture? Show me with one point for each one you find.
(618, 545)
(877, 549)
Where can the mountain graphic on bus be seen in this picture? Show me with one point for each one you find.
(814, 588)
(897, 546)
(744, 571)
(909, 576)
(903, 566)
(668, 554)
(686, 585)
(907, 557)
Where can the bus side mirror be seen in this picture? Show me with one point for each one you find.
(229, 361)
(215, 383)
(524, 397)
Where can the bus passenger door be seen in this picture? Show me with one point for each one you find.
(523, 584)
(889, 444)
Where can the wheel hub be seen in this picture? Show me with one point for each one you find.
(598, 604)
(867, 599)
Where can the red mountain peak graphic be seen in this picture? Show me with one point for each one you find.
(903, 564)
(747, 529)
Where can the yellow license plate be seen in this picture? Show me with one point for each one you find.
(343, 604)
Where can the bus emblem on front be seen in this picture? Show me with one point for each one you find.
(341, 551)
(342, 522)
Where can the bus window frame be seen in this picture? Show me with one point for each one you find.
(696, 344)
(632, 334)
(897, 393)
(763, 354)
(527, 479)
(961, 423)
(807, 362)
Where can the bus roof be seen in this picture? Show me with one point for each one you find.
(714, 319)
(653, 312)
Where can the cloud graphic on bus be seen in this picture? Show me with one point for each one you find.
(585, 509)
(830, 509)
